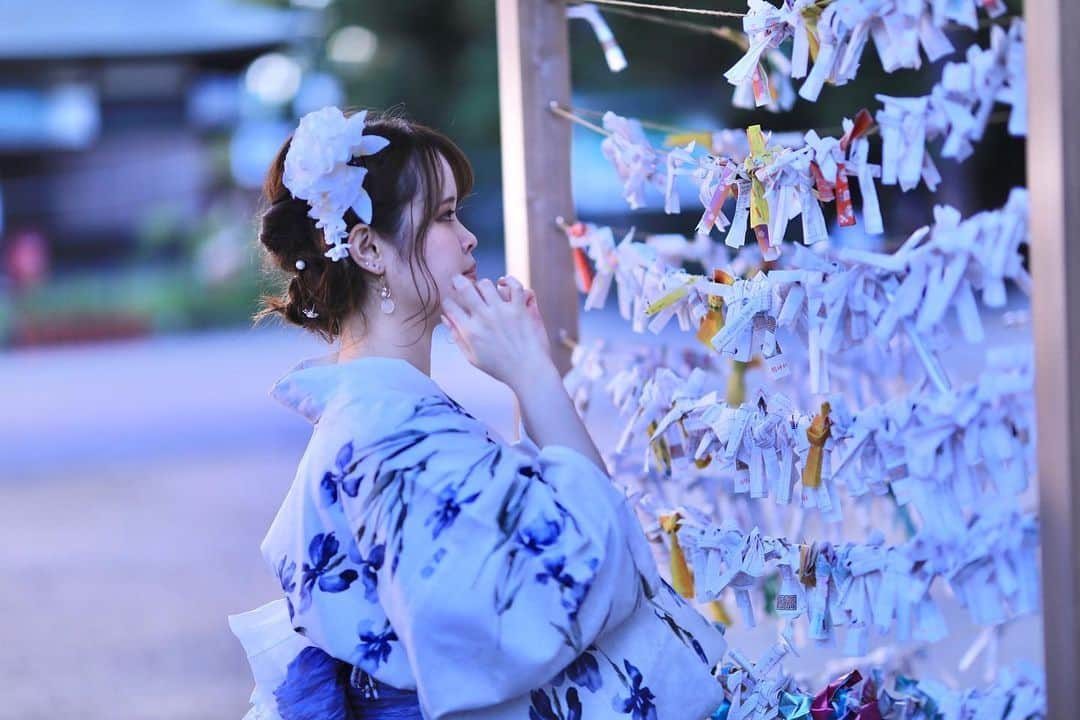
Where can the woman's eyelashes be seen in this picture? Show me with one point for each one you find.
(452, 214)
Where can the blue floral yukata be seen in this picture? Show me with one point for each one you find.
(495, 581)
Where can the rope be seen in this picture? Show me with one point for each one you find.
(724, 33)
(574, 115)
(668, 8)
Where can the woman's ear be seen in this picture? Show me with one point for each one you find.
(364, 249)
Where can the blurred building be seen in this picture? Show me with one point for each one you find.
(107, 109)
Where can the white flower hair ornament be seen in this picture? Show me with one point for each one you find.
(317, 170)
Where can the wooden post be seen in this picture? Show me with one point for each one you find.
(534, 69)
(1053, 176)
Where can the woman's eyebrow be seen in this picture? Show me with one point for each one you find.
(450, 199)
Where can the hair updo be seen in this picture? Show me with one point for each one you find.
(408, 166)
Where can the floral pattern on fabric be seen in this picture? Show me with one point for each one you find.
(324, 559)
(420, 549)
(584, 672)
(369, 568)
(449, 508)
(639, 703)
(286, 574)
(635, 700)
(334, 479)
(545, 707)
(387, 471)
(374, 647)
(685, 636)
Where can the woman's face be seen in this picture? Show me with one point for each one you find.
(447, 252)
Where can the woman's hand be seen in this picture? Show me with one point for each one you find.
(503, 286)
(502, 337)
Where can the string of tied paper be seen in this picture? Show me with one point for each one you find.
(772, 185)
(988, 559)
(829, 50)
(668, 410)
(780, 96)
(828, 42)
(882, 448)
(833, 302)
(935, 452)
(833, 39)
(940, 453)
(764, 690)
(989, 564)
(958, 108)
(775, 183)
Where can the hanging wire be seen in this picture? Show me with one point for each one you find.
(667, 8)
(724, 33)
(569, 114)
(574, 114)
(644, 123)
(618, 7)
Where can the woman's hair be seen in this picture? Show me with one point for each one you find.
(406, 168)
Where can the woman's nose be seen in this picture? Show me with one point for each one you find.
(470, 241)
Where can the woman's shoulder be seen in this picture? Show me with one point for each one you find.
(388, 410)
(385, 422)
(325, 390)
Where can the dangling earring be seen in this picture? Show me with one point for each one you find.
(387, 305)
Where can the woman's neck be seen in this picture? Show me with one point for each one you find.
(386, 336)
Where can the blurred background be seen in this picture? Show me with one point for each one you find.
(141, 459)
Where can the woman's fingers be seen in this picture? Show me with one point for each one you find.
(517, 290)
(504, 289)
(467, 295)
(488, 292)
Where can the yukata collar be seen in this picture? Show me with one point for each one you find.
(314, 383)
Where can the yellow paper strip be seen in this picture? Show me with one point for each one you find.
(668, 298)
(682, 579)
(703, 138)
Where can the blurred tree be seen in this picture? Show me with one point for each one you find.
(436, 60)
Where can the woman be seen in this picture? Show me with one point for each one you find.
(430, 570)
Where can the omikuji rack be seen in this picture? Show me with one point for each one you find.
(534, 71)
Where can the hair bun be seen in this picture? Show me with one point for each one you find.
(287, 231)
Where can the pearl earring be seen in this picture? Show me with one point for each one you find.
(387, 305)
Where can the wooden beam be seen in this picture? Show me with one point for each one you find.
(534, 69)
(1053, 176)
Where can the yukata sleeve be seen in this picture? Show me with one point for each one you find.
(498, 568)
